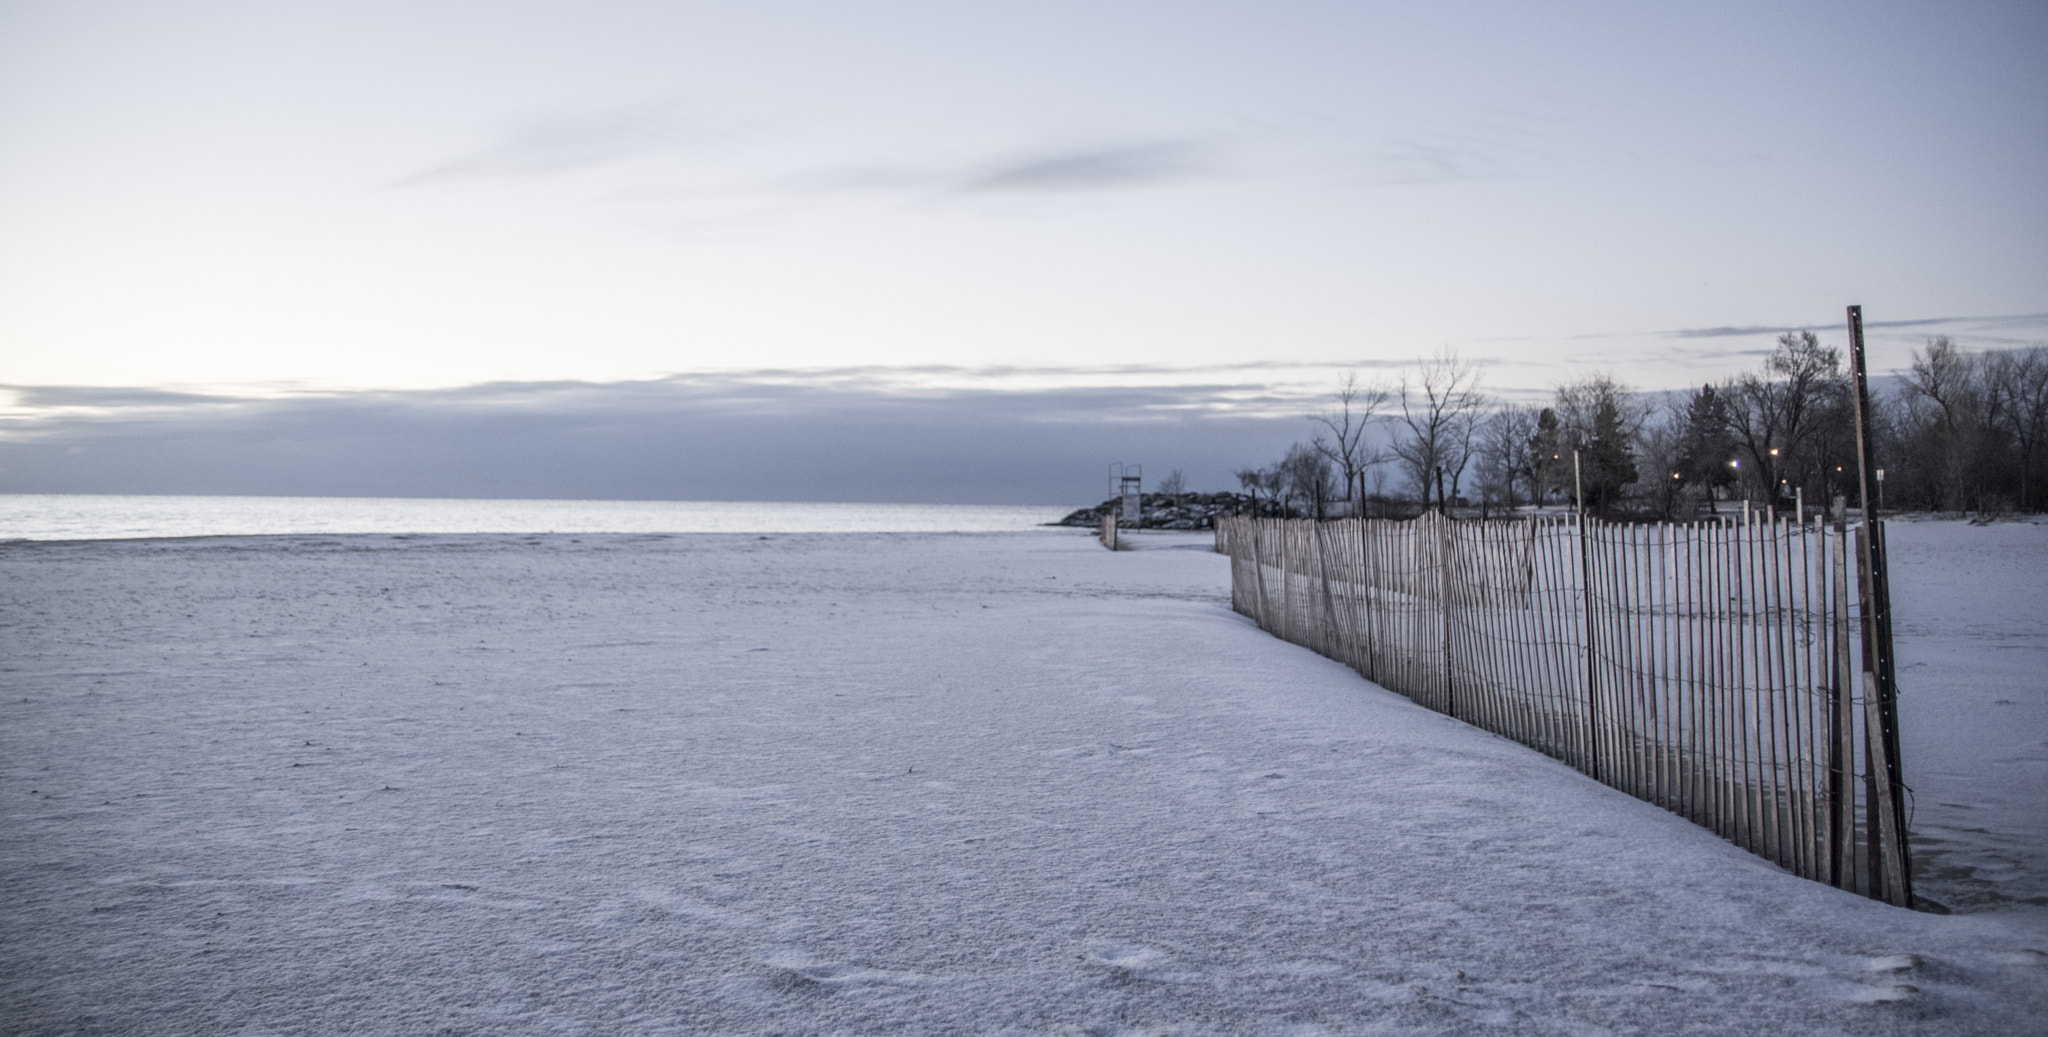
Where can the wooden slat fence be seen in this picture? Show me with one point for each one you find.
(1707, 667)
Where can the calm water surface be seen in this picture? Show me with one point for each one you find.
(99, 517)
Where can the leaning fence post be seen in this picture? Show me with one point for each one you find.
(1592, 665)
(1258, 571)
(1841, 719)
(1888, 857)
(1327, 636)
(1368, 551)
(1445, 542)
(1879, 677)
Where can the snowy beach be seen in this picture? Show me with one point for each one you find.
(911, 783)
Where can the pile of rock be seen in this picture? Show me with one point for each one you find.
(1173, 511)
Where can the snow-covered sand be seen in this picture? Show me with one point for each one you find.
(1971, 608)
(923, 783)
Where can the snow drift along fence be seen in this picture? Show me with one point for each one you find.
(1706, 667)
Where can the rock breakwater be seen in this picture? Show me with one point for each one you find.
(1174, 511)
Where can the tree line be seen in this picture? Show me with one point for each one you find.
(1956, 431)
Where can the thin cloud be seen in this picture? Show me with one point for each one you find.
(1497, 144)
(1077, 371)
(95, 396)
(1730, 331)
(1912, 323)
(882, 377)
(1414, 163)
(1720, 353)
(1117, 166)
(565, 142)
(2022, 320)
(875, 178)
(1135, 164)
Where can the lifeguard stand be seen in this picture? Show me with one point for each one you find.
(1127, 481)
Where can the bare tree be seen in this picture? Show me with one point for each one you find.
(1789, 420)
(1262, 484)
(1660, 459)
(1308, 477)
(1274, 480)
(1342, 439)
(1507, 447)
(1970, 430)
(1440, 405)
(1946, 394)
(2023, 376)
(1252, 481)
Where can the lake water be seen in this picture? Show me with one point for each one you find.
(100, 517)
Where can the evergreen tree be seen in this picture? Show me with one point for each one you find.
(1705, 446)
(1608, 460)
(1600, 419)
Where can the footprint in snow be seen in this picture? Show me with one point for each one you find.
(1131, 962)
(793, 971)
(1883, 979)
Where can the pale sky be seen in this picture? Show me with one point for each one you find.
(269, 197)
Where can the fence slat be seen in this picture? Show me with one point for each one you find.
(1705, 667)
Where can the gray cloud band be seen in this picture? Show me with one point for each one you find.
(669, 439)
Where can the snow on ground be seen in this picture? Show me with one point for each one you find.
(873, 783)
(1970, 608)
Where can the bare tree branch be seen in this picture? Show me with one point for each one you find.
(1440, 404)
(1343, 437)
